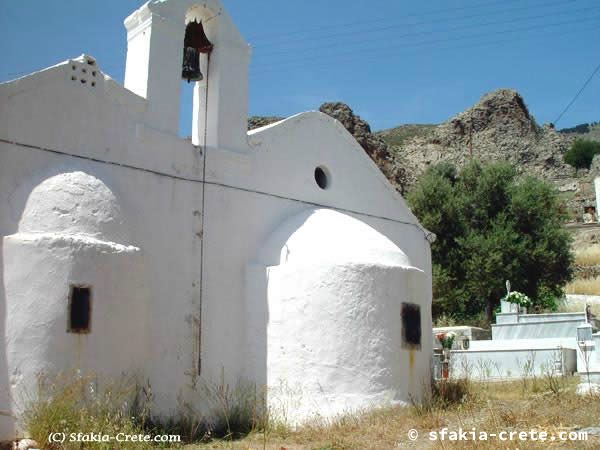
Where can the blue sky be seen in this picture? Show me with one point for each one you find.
(392, 61)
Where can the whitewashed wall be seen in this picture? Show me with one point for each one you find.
(52, 123)
(158, 208)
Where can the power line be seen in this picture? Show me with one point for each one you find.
(456, 47)
(401, 25)
(301, 31)
(67, 153)
(578, 94)
(425, 33)
(353, 55)
(312, 36)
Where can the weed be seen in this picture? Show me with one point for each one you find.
(552, 381)
(444, 321)
(236, 410)
(68, 403)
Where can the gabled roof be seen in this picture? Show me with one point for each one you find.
(302, 128)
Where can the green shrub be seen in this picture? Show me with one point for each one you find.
(548, 301)
(492, 225)
(581, 153)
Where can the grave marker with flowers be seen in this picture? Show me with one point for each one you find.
(446, 340)
(517, 302)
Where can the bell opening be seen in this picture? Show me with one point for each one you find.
(195, 43)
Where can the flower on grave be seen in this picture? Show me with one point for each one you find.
(446, 340)
(518, 298)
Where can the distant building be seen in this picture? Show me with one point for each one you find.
(280, 256)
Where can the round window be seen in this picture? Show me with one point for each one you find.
(322, 177)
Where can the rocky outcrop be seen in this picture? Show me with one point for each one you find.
(498, 128)
(375, 147)
(262, 121)
(359, 128)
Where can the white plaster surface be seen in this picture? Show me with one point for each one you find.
(324, 235)
(59, 243)
(38, 272)
(346, 353)
(96, 187)
(334, 335)
(155, 35)
(74, 204)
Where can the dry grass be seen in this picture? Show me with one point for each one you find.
(576, 306)
(586, 257)
(589, 256)
(585, 286)
(543, 404)
(69, 403)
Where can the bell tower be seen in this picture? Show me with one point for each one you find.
(194, 40)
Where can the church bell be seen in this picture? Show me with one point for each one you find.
(190, 70)
(195, 42)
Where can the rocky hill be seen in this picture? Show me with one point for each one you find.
(497, 128)
(399, 135)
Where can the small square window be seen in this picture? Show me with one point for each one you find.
(411, 326)
(80, 309)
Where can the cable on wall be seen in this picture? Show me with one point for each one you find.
(203, 213)
(426, 234)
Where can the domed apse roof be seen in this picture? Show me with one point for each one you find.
(75, 204)
(319, 235)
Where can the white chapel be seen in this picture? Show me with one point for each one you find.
(279, 257)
